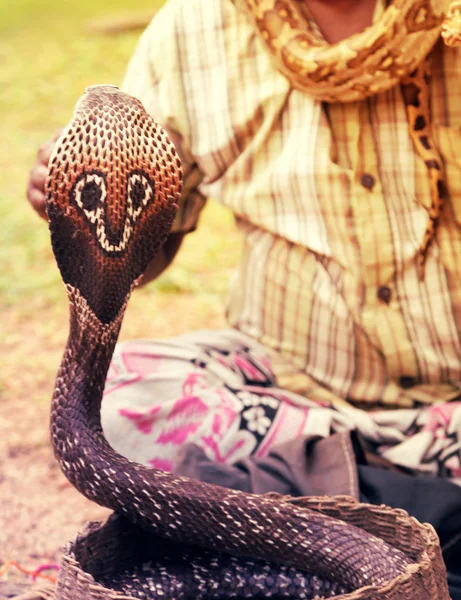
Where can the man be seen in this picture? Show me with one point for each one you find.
(347, 300)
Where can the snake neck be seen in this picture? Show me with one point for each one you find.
(76, 432)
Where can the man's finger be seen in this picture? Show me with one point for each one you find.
(37, 200)
(44, 152)
(46, 149)
(38, 175)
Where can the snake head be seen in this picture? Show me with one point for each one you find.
(114, 180)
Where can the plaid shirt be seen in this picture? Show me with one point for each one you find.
(332, 202)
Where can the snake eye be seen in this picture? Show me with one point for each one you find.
(89, 194)
(140, 193)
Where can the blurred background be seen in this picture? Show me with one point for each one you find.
(49, 52)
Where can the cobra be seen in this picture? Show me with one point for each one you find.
(112, 193)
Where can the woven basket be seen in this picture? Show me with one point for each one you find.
(116, 545)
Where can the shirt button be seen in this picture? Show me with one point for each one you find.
(368, 181)
(384, 294)
(407, 381)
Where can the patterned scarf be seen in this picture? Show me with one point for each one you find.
(365, 64)
(394, 50)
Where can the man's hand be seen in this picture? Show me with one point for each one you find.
(38, 175)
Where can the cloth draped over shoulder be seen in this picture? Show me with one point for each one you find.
(334, 203)
(367, 63)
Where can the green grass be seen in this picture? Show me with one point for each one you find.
(48, 58)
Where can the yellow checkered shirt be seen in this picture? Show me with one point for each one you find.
(332, 202)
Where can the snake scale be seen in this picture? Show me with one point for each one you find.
(112, 189)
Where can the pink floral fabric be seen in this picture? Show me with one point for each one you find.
(216, 389)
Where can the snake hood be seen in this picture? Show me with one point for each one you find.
(113, 174)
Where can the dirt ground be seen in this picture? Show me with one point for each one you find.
(39, 510)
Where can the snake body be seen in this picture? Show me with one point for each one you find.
(111, 197)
